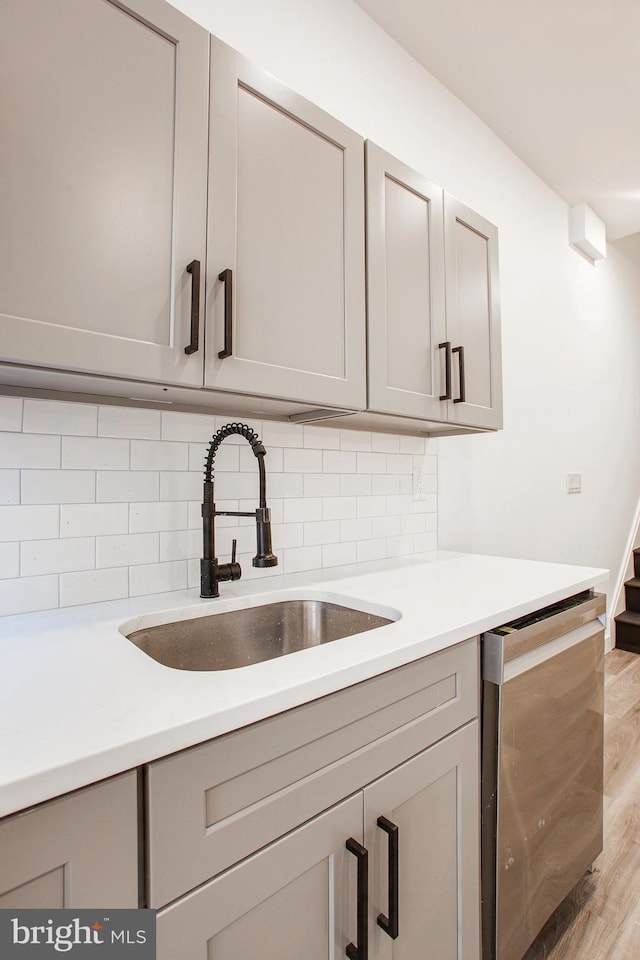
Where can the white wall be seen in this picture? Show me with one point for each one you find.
(571, 331)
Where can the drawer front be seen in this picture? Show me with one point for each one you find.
(212, 805)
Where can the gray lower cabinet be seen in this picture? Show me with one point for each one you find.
(247, 834)
(79, 851)
(296, 898)
(432, 301)
(103, 184)
(285, 286)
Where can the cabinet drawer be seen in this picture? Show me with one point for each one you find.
(78, 851)
(212, 805)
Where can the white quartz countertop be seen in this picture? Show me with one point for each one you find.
(79, 702)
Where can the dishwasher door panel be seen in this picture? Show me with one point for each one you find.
(549, 802)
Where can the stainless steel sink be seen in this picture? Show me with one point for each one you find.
(237, 638)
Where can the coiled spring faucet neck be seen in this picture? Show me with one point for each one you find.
(212, 572)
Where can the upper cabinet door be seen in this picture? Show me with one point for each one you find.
(405, 288)
(103, 124)
(285, 242)
(473, 316)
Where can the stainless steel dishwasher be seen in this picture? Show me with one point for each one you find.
(542, 743)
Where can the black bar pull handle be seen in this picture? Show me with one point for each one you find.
(194, 269)
(462, 393)
(447, 369)
(390, 924)
(226, 277)
(361, 950)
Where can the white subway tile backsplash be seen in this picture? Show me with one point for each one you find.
(424, 542)
(355, 485)
(94, 453)
(321, 531)
(321, 485)
(130, 422)
(57, 556)
(126, 486)
(338, 554)
(282, 434)
(190, 427)
(103, 502)
(385, 443)
(412, 445)
(27, 450)
(307, 508)
(10, 413)
(302, 461)
(322, 438)
(93, 519)
(29, 523)
(357, 529)
(371, 506)
(93, 586)
(9, 560)
(400, 546)
(155, 517)
(339, 508)
(241, 485)
(338, 461)
(181, 544)
(285, 485)
(158, 577)
(302, 558)
(127, 549)
(159, 455)
(355, 440)
(28, 594)
(9, 487)
(227, 458)
(58, 486)
(385, 484)
(52, 416)
(287, 535)
(385, 527)
(371, 549)
(371, 462)
(399, 463)
(175, 485)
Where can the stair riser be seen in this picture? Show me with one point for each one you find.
(632, 598)
(636, 563)
(628, 637)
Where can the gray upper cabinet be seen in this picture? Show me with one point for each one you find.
(286, 217)
(405, 288)
(432, 301)
(473, 317)
(104, 127)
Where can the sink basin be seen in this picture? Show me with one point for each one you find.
(237, 638)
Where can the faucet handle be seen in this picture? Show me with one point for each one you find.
(234, 545)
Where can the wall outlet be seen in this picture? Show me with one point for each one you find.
(419, 483)
(574, 483)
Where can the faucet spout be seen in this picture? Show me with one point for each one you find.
(211, 571)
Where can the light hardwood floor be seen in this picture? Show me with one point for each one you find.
(600, 919)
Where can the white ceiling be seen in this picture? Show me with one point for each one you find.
(557, 80)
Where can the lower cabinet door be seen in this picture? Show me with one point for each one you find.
(294, 900)
(79, 851)
(433, 801)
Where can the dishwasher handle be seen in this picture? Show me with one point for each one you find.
(496, 669)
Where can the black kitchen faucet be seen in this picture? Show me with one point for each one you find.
(212, 572)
